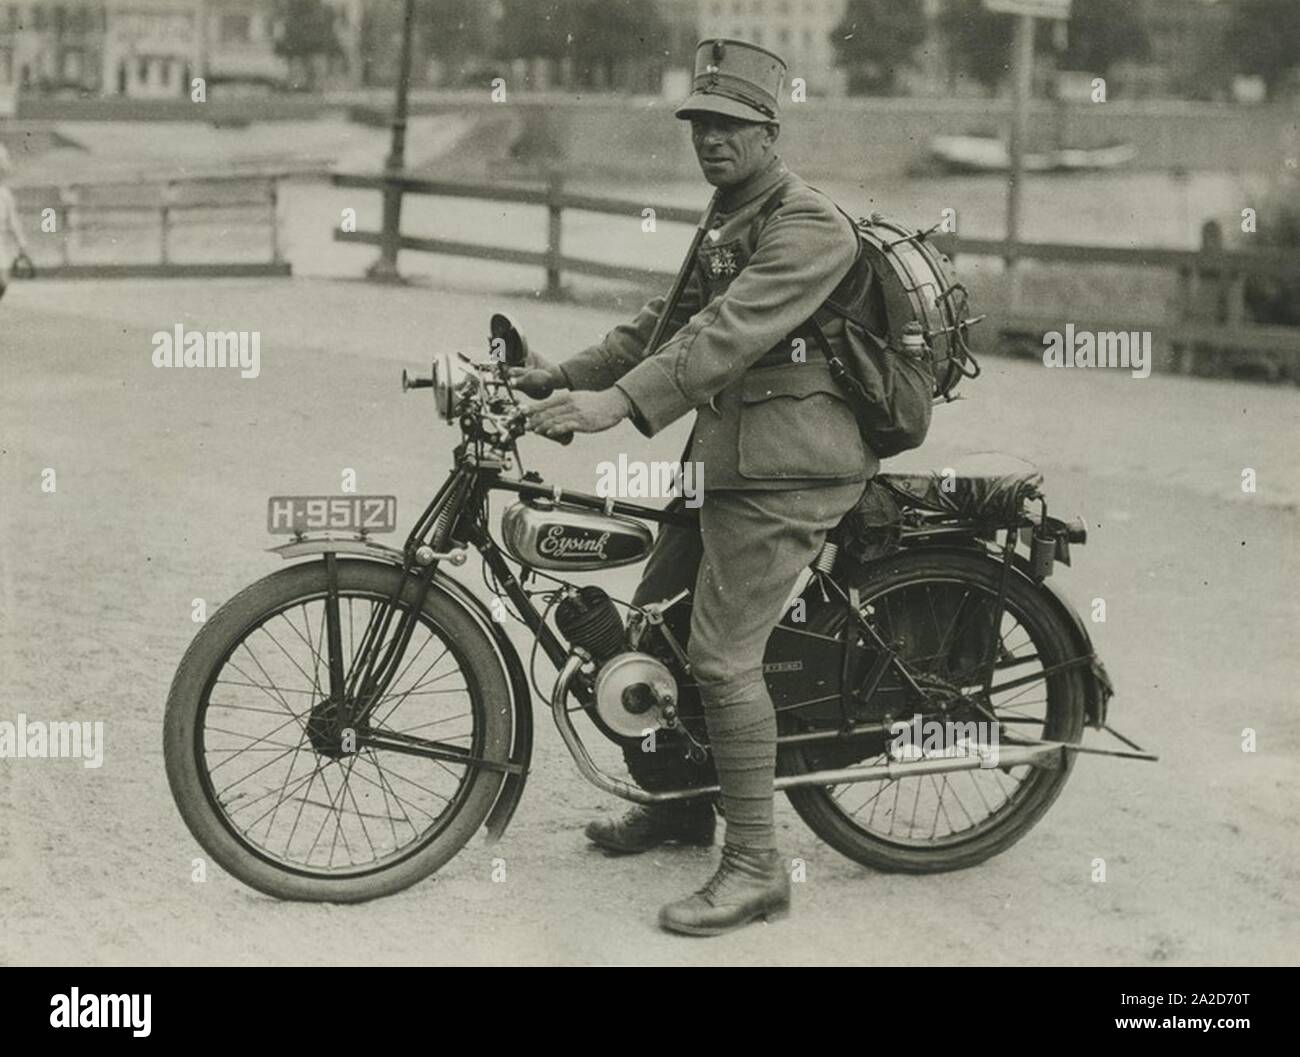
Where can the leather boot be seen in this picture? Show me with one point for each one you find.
(648, 826)
(748, 885)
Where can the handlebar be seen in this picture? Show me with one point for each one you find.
(411, 381)
(542, 392)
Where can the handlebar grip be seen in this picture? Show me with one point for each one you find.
(540, 391)
(410, 381)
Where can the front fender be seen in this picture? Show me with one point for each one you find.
(324, 543)
(521, 751)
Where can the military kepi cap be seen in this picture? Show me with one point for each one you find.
(735, 78)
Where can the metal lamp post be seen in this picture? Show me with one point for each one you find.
(384, 269)
(1023, 58)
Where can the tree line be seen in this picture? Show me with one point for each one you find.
(878, 39)
(874, 43)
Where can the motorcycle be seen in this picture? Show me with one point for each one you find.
(340, 729)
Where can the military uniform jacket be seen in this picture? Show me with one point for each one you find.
(781, 423)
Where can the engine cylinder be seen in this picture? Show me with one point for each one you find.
(589, 619)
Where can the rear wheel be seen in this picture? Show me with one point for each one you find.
(254, 772)
(939, 609)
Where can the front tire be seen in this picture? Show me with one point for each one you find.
(298, 824)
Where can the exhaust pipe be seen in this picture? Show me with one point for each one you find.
(1048, 755)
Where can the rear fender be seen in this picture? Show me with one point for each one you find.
(521, 750)
(1099, 687)
(1097, 684)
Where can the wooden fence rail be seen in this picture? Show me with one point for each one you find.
(1208, 315)
(78, 207)
(555, 200)
(1208, 320)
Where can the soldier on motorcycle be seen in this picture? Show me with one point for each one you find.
(783, 451)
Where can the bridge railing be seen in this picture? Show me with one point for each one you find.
(120, 229)
(1207, 319)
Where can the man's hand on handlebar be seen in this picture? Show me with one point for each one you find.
(536, 381)
(578, 412)
(537, 377)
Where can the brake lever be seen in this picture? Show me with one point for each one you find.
(561, 438)
(543, 391)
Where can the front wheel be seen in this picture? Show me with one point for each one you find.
(939, 608)
(267, 794)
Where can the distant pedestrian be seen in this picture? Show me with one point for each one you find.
(13, 247)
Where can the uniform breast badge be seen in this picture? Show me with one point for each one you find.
(721, 262)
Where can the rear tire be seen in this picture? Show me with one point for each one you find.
(290, 596)
(912, 577)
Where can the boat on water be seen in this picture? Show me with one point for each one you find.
(967, 154)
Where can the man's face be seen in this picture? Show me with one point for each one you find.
(730, 150)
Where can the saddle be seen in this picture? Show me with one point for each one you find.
(873, 527)
(990, 499)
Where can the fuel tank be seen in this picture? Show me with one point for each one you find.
(557, 536)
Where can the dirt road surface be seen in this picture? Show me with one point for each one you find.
(162, 477)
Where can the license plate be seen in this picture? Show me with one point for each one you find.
(338, 513)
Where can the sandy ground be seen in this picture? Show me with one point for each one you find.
(162, 478)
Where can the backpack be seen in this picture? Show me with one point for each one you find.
(905, 324)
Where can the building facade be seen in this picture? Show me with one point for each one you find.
(797, 30)
(51, 46)
(240, 37)
(154, 48)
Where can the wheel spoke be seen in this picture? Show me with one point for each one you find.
(255, 741)
(287, 654)
(361, 818)
(384, 784)
(283, 785)
(250, 774)
(285, 794)
(420, 682)
(281, 689)
(269, 688)
(431, 723)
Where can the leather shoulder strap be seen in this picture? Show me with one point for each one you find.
(844, 301)
(773, 202)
